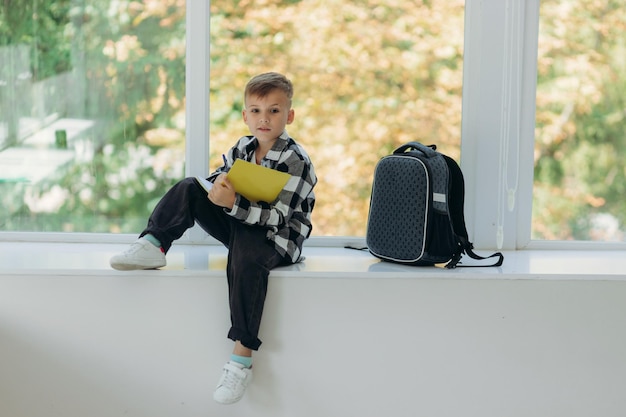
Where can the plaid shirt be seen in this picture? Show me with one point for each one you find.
(288, 219)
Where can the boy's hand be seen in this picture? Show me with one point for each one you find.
(222, 193)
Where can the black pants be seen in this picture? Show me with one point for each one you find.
(251, 255)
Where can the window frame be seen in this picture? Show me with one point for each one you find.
(499, 120)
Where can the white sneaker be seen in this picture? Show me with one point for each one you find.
(233, 383)
(141, 254)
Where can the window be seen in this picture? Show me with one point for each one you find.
(368, 77)
(580, 143)
(92, 112)
(351, 91)
(501, 98)
(367, 80)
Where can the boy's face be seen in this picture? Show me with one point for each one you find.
(267, 116)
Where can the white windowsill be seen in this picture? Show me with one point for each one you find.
(322, 261)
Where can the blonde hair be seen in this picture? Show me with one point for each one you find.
(263, 84)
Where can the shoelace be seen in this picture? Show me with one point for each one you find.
(233, 376)
(133, 248)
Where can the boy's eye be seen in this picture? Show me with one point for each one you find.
(276, 110)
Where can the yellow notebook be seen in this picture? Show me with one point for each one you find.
(255, 182)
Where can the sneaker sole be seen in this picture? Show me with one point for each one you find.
(134, 267)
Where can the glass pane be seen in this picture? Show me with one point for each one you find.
(368, 77)
(92, 112)
(580, 174)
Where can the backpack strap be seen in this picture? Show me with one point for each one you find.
(428, 151)
(456, 203)
(356, 247)
(456, 197)
(465, 246)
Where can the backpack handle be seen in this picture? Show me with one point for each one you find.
(428, 151)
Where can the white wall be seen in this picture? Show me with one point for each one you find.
(152, 345)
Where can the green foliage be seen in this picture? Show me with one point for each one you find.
(130, 57)
(580, 119)
(37, 24)
(368, 77)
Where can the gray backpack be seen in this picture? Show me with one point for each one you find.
(416, 209)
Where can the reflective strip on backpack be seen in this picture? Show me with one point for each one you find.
(439, 197)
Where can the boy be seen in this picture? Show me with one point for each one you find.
(260, 235)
